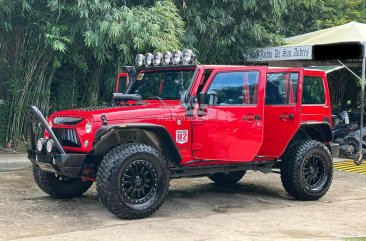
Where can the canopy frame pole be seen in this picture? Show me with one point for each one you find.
(360, 152)
(358, 77)
(358, 159)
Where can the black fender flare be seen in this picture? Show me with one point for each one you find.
(103, 134)
(322, 130)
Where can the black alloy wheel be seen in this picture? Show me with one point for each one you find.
(313, 171)
(138, 182)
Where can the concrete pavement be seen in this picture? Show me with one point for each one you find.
(13, 161)
(257, 208)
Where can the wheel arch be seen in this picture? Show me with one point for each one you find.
(108, 137)
(320, 131)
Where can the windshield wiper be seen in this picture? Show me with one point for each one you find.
(158, 98)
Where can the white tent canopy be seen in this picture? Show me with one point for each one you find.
(350, 32)
(345, 42)
(342, 42)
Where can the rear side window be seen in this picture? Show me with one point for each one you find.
(281, 88)
(313, 90)
(234, 88)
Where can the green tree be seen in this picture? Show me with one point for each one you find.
(43, 39)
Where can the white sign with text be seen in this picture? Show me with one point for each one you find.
(280, 53)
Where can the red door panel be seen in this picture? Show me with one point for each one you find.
(282, 110)
(232, 130)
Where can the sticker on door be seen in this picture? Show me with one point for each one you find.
(181, 136)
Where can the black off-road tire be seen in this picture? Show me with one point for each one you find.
(226, 179)
(119, 171)
(60, 187)
(307, 170)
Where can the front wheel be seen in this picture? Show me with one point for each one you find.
(307, 170)
(133, 181)
(58, 186)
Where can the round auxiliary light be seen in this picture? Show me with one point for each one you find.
(40, 144)
(88, 127)
(148, 59)
(188, 56)
(167, 57)
(139, 60)
(157, 58)
(49, 145)
(177, 57)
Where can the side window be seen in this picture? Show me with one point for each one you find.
(313, 90)
(281, 88)
(234, 88)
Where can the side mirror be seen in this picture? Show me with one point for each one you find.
(202, 101)
(202, 98)
(191, 100)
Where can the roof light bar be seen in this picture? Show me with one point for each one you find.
(167, 58)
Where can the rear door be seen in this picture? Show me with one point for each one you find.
(232, 128)
(316, 107)
(282, 110)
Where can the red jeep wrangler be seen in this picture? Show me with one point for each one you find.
(171, 119)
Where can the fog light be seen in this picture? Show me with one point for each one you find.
(188, 56)
(148, 59)
(40, 144)
(167, 58)
(157, 58)
(86, 143)
(139, 60)
(49, 145)
(177, 57)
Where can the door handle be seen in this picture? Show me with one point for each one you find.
(251, 117)
(287, 116)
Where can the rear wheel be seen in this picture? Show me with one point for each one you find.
(59, 186)
(307, 170)
(133, 181)
(227, 178)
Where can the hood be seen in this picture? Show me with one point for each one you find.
(149, 110)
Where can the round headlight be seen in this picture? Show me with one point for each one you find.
(177, 57)
(49, 145)
(88, 127)
(40, 144)
(148, 59)
(167, 58)
(157, 58)
(139, 60)
(187, 56)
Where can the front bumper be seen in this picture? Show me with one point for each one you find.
(59, 162)
(70, 165)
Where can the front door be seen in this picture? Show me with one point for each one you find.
(281, 110)
(232, 127)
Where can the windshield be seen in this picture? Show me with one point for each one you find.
(169, 84)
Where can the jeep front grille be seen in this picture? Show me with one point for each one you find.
(67, 137)
(63, 120)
